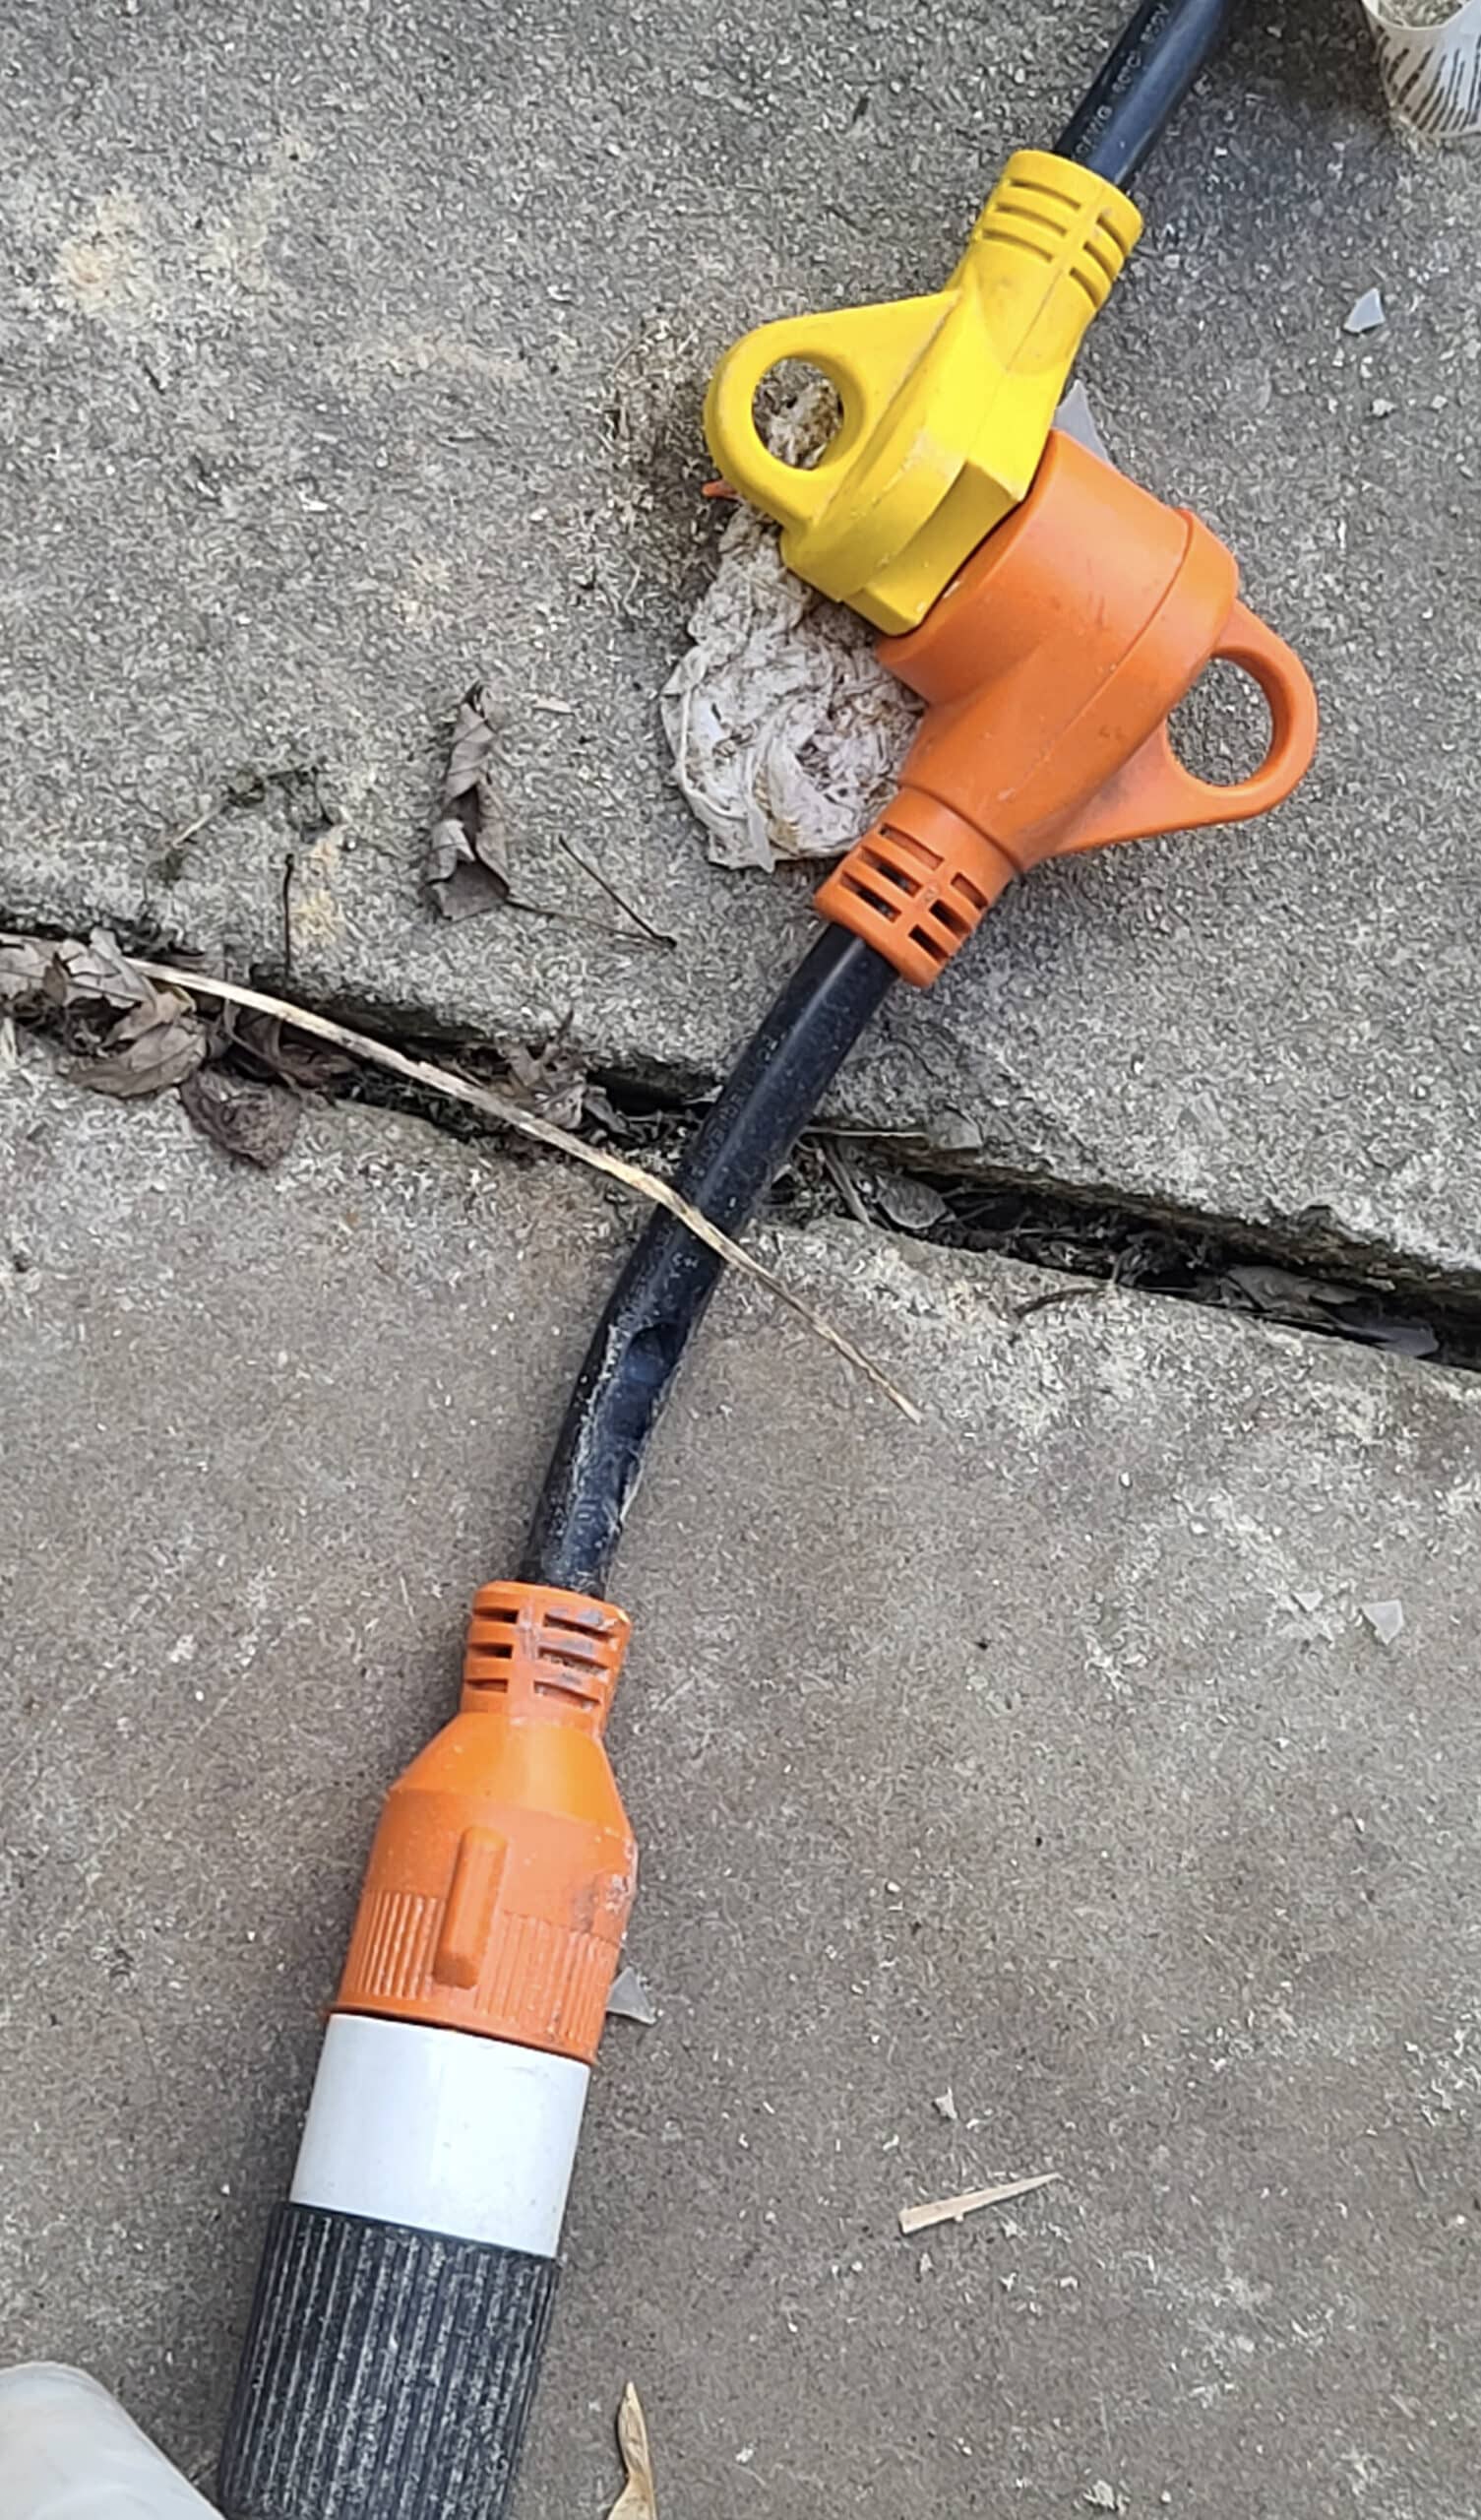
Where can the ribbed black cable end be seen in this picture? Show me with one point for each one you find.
(386, 2374)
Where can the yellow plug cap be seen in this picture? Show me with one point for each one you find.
(947, 399)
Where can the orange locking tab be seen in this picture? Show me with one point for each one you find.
(503, 1871)
(1050, 665)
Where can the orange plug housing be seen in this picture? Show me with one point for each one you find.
(1050, 665)
(503, 1870)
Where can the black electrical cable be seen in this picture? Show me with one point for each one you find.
(389, 2370)
(727, 1166)
(783, 1074)
(1142, 83)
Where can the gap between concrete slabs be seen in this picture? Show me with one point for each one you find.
(1044, 1753)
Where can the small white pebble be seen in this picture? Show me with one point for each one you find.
(1386, 1618)
(1367, 314)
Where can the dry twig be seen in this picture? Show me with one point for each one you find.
(954, 2209)
(509, 1116)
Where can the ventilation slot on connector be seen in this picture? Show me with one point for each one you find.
(527, 1641)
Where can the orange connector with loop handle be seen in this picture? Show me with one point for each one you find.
(1050, 667)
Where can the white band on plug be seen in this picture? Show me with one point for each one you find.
(443, 2131)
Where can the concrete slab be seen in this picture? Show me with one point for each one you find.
(1043, 1754)
(353, 355)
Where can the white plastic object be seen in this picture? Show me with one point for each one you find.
(68, 2452)
(1429, 56)
(443, 2131)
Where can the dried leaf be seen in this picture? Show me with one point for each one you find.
(1400, 1335)
(498, 1107)
(71, 976)
(260, 1043)
(467, 853)
(1324, 1303)
(638, 2499)
(244, 1117)
(150, 1061)
(95, 974)
(911, 1205)
(23, 970)
(155, 1008)
(601, 1111)
(954, 2209)
(630, 1999)
(839, 1169)
(550, 1082)
(1286, 1293)
(156, 1040)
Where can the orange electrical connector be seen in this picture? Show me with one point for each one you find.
(1050, 665)
(504, 1869)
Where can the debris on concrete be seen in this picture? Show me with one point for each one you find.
(1078, 420)
(157, 1044)
(1326, 1303)
(629, 1999)
(785, 730)
(1102, 2496)
(1387, 1621)
(267, 1046)
(245, 1117)
(38, 977)
(594, 876)
(99, 971)
(639, 2498)
(1429, 56)
(549, 1081)
(1367, 315)
(239, 1078)
(468, 852)
(955, 2209)
(444, 1081)
(905, 1201)
(133, 1038)
(24, 965)
(839, 1169)
(945, 2106)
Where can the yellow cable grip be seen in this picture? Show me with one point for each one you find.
(947, 399)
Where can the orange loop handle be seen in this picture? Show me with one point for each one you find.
(1155, 793)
